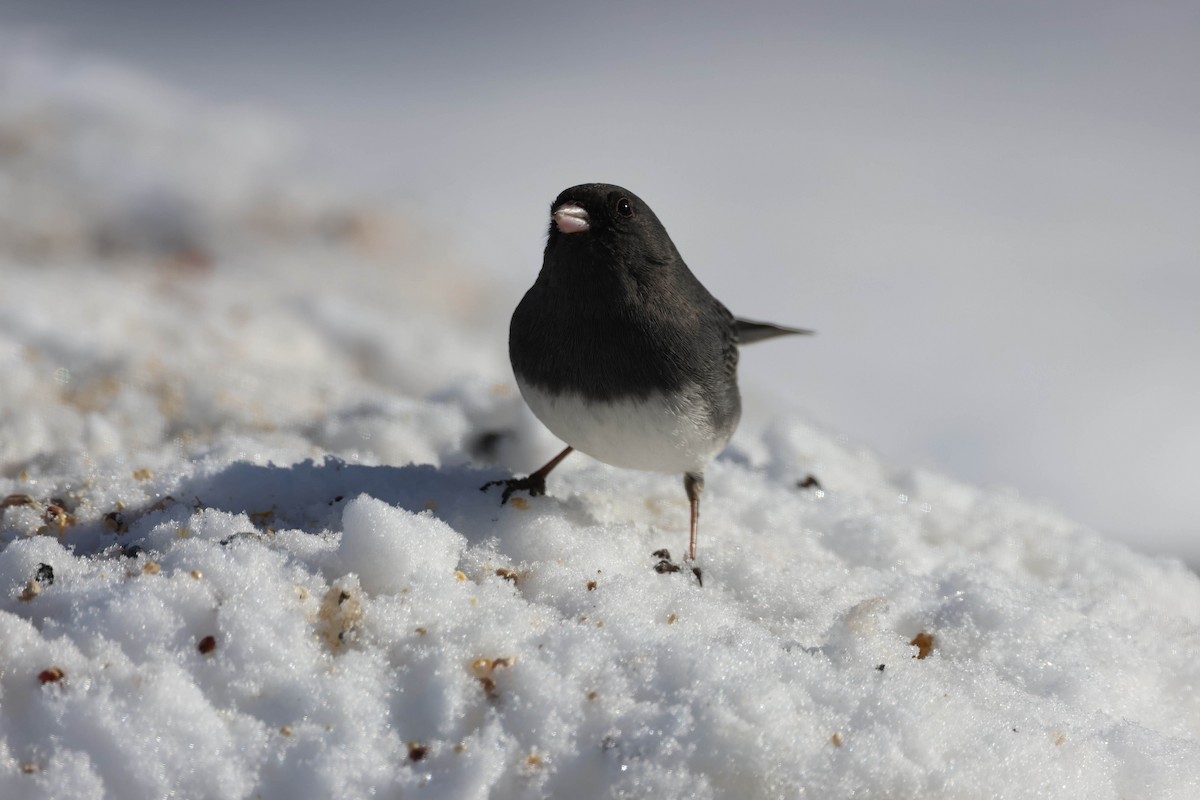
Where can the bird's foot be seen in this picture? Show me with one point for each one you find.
(535, 484)
(665, 565)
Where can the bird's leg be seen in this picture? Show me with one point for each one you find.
(693, 484)
(535, 483)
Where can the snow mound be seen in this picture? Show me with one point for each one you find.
(104, 162)
(246, 554)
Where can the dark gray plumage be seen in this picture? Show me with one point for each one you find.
(621, 351)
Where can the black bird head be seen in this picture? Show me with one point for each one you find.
(598, 227)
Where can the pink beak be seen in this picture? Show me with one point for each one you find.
(571, 218)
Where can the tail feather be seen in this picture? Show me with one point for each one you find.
(749, 332)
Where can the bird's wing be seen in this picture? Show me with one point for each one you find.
(749, 332)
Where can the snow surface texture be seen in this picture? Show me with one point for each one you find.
(245, 553)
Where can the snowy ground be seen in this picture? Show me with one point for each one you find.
(243, 423)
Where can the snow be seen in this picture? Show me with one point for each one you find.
(245, 553)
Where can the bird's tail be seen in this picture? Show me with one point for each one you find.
(749, 332)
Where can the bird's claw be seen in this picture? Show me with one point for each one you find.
(666, 565)
(534, 484)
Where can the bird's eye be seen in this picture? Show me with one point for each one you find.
(624, 207)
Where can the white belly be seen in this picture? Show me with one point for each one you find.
(659, 434)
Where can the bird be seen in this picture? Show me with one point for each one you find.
(622, 353)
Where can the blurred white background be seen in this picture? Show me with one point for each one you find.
(989, 213)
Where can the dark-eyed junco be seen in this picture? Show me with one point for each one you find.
(620, 351)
